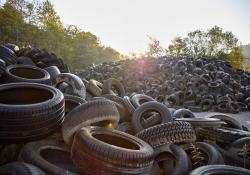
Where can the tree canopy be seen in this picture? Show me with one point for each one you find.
(37, 24)
(210, 43)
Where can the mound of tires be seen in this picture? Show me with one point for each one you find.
(53, 122)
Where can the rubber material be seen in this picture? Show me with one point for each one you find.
(95, 150)
(87, 114)
(168, 133)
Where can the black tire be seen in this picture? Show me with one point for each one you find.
(201, 153)
(168, 133)
(230, 121)
(220, 170)
(183, 113)
(53, 157)
(20, 168)
(126, 127)
(95, 150)
(12, 47)
(26, 73)
(72, 101)
(138, 99)
(76, 84)
(222, 134)
(90, 114)
(113, 83)
(41, 108)
(53, 71)
(125, 115)
(94, 88)
(241, 148)
(232, 159)
(25, 61)
(7, 55)
(202, 122)
(129, 105)
(182, 164)
(148, 107)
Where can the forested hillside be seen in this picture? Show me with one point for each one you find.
(37, 24)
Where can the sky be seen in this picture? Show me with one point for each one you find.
(126, 24)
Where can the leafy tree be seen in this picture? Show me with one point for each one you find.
(36, 23)
(213, 42)
(154, 48)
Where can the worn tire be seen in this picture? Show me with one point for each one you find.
(182, 164)
(138, 99)
(222, 134)
(20, 168)
(126, 127)
(41, 108)
(150, 107)
(72, 101)
(219, 170)
(76, 84)
(125, 115)
(7, 55)
(202, 122)
(53, 71)
(95, 88)
(102, 151)
(54, 163)
(202, 153)
(183, 113)
(108, 84)
(87, 114)
(168, 133)
(230, 121)
(26, 73)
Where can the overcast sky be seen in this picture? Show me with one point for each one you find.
(125, 24)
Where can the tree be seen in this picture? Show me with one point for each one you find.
(213, 42)
(154, 48)
(36, 23)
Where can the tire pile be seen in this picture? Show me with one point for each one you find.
(53, 122)
(199, 85)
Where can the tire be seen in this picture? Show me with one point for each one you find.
(19, 168)
(222, 134)
(182, 164)
(202, 122)
(139, 99)
(220, 170)
(129, 105)
(168, 133)
(76, 84)
(126, 127)
(7, 55)
(12, 47)
(231, 159)
(201, 153)
(102, 151)
(150, 107)
(26, 73)
(230, 121)
(25, 61)
(41, 108)
(240, 148)
(87, 114)
(95, 88)
(108, 84)
(53, 71)
(183, 113)
(53, 157)
(72, 101)
(125, 115)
